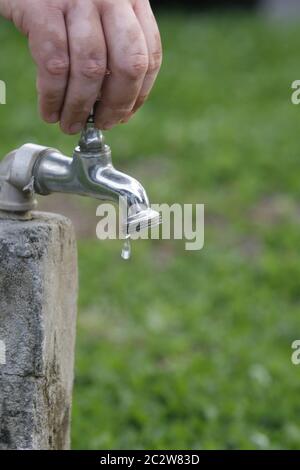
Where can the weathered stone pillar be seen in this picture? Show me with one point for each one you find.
(38, 297)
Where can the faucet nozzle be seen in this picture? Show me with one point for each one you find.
(90, 172)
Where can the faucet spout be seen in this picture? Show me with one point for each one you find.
(89, 172)
(93, 175)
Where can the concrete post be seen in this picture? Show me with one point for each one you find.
(38, 297)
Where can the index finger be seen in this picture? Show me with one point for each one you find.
(49, 48)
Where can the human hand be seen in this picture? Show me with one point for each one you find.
(87, 50)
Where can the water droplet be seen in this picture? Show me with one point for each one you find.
(126, 251)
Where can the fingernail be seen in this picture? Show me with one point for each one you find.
(53, 118)
(75, 128)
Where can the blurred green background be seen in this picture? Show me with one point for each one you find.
(179, 349)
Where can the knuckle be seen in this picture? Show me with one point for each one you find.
(135, 67)
(57, 66)
(117, 108)
(79, 105)
(92, 69)
(48, 95)
(155, 62)
(50, 98)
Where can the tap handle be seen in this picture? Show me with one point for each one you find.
(91, 118)
(91, 139)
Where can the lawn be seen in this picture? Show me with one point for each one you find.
(179, 349)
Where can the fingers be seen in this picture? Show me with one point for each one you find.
(127, 61)
(49, 48)
(88, 65)
(5, 9)
(73, 50)
(149, 26)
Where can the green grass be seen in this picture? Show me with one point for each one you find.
(184, 349)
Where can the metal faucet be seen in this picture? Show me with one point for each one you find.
(34, 169)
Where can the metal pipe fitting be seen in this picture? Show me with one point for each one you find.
(34, 169)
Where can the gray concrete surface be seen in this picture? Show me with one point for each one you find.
(38, 303)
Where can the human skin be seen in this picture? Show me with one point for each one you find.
(89, 50)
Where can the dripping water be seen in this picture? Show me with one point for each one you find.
(126, 251)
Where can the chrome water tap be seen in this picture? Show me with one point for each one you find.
(34, 169)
